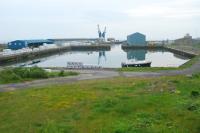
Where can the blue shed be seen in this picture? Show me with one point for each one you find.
(19, 44)
(136, 39)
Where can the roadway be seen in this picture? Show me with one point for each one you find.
(97, 74)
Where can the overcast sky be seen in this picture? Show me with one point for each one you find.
(158, 19)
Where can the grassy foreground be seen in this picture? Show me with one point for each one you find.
(120, 105)
(21, 74)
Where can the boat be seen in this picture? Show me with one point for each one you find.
(34, 62)
(133, 63)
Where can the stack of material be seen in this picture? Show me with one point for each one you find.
(80, 65)
(74, 65)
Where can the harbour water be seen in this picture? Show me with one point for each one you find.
(112, 58)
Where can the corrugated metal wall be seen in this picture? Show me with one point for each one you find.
(137, 39)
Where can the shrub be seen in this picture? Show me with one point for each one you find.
(193, 107)
(12, 75)
(196, 76)
(195, 94)
(71, 73)
(8, 76)
(61, 73)
(22, 72)
(36, 72)
(32, 72)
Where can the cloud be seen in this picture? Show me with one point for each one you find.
(78, 18)
(159, 11)
(175, 9)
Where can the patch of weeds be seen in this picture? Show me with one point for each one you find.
(196, 76)
(54, 127)
(123, 97)
(38, 124)
(76, 116)
(195, 94)
(105, 105)
(138, 87)
(174, 81)
(144, 120)
(103, 87)
(61, 73)
(8, 76)
(122, 127)
(70, 73)
(169, 125)
(193, 107)
(159, 116)
(127, 127)
(124, 107)
(106, 88)
(158, 86)
(61, 105)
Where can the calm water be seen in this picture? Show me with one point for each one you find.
(114, 58)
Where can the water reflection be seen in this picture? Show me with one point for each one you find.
(180, 56)
(138, 55)
(102, 56)
(109, 59)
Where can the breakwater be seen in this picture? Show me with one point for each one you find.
(90, 48)
(26, 56)
(161, 47)
(127, 47)
(181, 52)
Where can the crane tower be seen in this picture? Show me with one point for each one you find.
(102, 35)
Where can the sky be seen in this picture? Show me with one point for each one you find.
(43, 19)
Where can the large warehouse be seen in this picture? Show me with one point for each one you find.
(19, 44)
(136, 39)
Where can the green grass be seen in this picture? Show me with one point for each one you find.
(61, 74)
(20, 74)
(155, 69)
(119, 105)
(145, 69)
(190, 63)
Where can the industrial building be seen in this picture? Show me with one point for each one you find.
(19, 44)
(136, 39)
(186, 40)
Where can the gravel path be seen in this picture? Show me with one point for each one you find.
(97, 74)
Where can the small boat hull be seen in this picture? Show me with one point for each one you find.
(137, 65)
